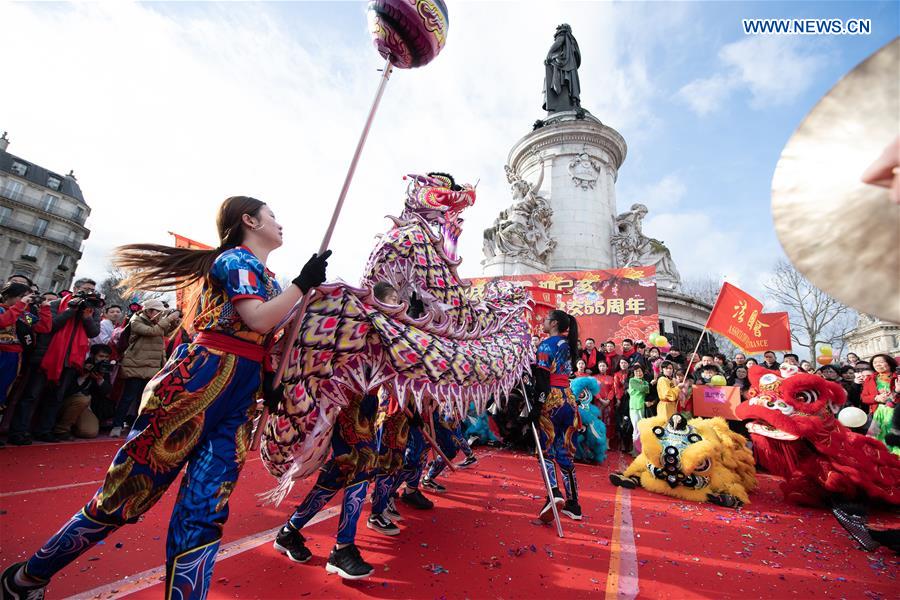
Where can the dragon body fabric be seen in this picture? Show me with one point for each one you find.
(796, 437)
(459, 350)
(699, 460)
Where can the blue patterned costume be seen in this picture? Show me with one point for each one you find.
(449, 436)
(590, 440)
(354, 454)
(559, 418)
(195, 413)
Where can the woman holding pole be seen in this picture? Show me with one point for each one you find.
(197, 410)
(555, 412)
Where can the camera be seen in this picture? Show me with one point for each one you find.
(86, 299)
(103, 367)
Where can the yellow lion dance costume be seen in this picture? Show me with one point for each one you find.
(699, 460)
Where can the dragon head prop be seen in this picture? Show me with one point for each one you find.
(439, 200)
(584, 389)
(699, 460)
(796, 437)
(789, 405)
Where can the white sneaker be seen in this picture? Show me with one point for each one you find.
(115, 432)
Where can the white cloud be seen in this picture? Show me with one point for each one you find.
(775, 70)
(707, 95)
(665, 194)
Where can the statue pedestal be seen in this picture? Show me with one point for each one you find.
(582, 159)
(499, 266)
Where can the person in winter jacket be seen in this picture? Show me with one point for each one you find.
(144, 357)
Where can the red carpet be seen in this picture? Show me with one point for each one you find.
(480, 541)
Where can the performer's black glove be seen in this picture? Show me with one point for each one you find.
(313, 272)
(416, 420)
(416, 306)
(272, 394)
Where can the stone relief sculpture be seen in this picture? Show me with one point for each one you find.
(633, 248)
(523, 229)
(585, 170)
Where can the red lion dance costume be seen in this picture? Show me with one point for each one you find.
(796, 437)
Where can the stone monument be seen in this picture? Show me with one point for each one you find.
(566, 220)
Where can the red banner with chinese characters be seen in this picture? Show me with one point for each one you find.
(186, 295)
(738, 316)
(609, 305)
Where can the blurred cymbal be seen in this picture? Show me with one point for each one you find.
(841, 234)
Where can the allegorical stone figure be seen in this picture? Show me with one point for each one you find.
(562, 89)
(634, 249)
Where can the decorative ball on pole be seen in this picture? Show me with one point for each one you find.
(408, 33)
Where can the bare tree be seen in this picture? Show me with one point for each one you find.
(706, 289)
(113, 294)
(816, 318)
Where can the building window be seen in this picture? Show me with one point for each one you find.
(19, 168)
(66, 263)
(31, 250)
(5, 212)
(79, 214)
(53, 183)
(40, 226)
(13, 189)
(49, 202)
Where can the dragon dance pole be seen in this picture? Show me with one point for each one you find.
(299, 309)
(433, 443)
(537, 443)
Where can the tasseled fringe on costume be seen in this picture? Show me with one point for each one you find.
(276, 495)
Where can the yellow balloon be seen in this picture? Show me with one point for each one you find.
(661, 341)
(826, 350)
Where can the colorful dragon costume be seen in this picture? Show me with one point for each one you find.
(796, 437)
(699, 460)
(459, 350)
(590, 441)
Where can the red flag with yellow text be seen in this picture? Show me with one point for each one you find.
(738, 316)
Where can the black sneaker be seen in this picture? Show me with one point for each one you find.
(347, 563)
(572, 510)
(19, 439)
(546, 514)
(416, 500)
(382, 524)
(391, 511)
(10, 590)
(470, 460)
(432, 485)
(50, 438)
(289, 542)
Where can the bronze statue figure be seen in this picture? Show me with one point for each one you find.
(562, 88)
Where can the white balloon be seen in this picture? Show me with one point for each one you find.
(852, 417)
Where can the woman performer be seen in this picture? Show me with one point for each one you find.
(555, 412)
(197, 410)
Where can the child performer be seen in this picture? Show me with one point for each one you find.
(638, 388)
(196, 411)
(606, 402)
(555, 412)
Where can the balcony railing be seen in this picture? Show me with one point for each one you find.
(28, 228)
(37, 202)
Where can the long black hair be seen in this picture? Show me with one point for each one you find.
(568, 325)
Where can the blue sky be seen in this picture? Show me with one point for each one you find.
(177, 105)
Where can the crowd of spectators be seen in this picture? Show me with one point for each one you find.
(71, 365)
(639, 381)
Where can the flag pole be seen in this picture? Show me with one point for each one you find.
(705, 325)
(299, 309)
